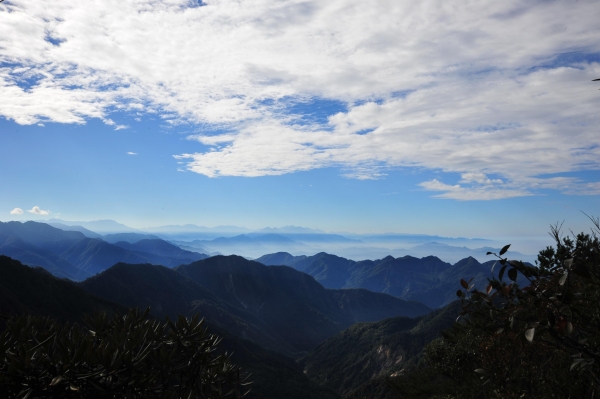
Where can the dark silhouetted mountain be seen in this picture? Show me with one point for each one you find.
(330, 270)
(27, 290)
(396, 276)
(128, 237)
(359, 358)
(81, 229)
(427, 280)
(169, 293)
(444, 290)
(292, 304)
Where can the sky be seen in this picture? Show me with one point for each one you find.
(474, 118)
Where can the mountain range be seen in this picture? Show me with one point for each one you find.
(308, 321)
(306, 326)
(276, 307)
(253, 243)
(428, 280)
(34, 291)
(72, 255)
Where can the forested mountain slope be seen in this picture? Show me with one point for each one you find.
(428, 280)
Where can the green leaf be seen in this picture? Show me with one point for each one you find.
(576, 363)
(563, 278)
(529, 334)
(490, 253)
(480, 371)
(493, 266)
(512, 274)
(569, 328)
(464, 284)
(504, 249)
(501, 273)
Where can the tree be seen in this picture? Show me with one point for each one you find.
(123, 356)
(541, 340)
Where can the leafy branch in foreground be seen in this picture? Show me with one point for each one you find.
(549, 327)
(123, 356)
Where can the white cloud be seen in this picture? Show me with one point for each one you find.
(131, 153)
(479, 90)
(37, 211)
(469, 193)
(16, 211)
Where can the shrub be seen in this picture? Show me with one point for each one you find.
(123, 356)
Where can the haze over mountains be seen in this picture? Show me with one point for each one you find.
(234, 240)
(72, 255)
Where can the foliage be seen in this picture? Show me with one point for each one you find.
(123, 356)
(540, 339)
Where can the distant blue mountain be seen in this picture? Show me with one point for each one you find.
(72, 255)
(98, 226)
(162, 248)
(81, 229)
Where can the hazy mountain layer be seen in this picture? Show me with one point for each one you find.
(72, 255)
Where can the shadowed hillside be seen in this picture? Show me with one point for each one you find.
(26, 290)
(294, 305)
(356, 361)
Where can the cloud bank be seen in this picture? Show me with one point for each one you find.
(16, 211)
(37, 211)
(498, 93)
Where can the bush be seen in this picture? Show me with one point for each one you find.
(123, 356)
(542, 340)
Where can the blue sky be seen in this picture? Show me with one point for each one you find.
(478, 121)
